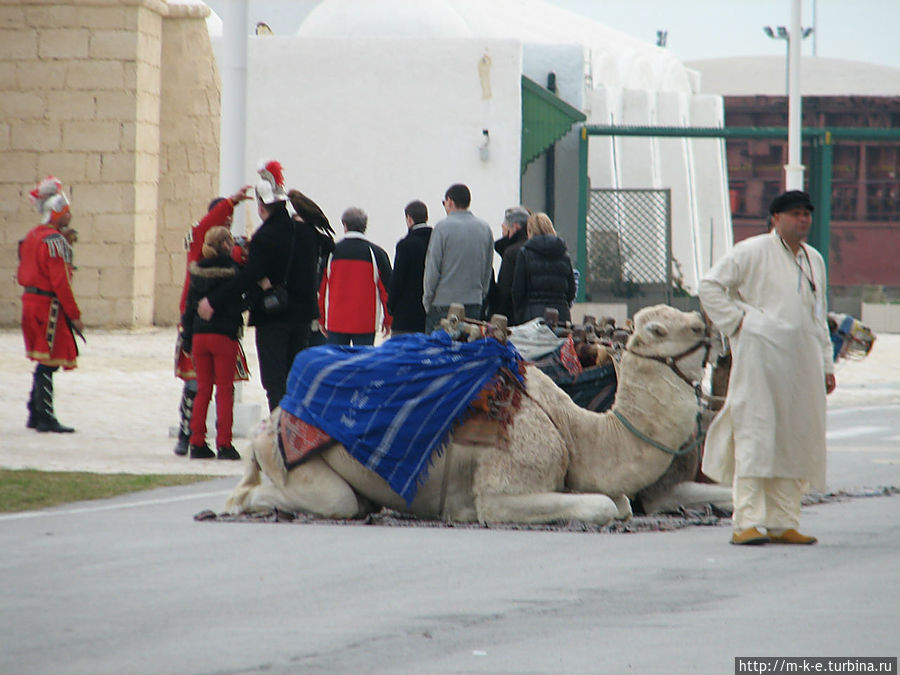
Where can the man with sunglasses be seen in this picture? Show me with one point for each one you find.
(768, 296)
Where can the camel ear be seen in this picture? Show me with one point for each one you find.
(657, 329)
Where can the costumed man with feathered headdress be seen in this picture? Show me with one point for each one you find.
(50, 315)
(219, 213)
(282, 258)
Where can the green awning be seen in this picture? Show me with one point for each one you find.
(545, 119)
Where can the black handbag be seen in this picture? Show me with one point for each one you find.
(275, 298)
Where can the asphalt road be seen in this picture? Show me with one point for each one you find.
(135, 585)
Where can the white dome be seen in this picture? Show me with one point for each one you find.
(384, 18)
(637, 64)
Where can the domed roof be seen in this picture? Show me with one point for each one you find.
(638, 64)
(384, 18)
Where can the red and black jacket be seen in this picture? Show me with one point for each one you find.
(353, 292)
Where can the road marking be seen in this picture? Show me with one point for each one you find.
(851, 432)
(862, 409)
(111, 507)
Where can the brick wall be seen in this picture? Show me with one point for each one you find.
(83, 87)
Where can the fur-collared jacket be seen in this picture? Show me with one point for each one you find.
(206, 276)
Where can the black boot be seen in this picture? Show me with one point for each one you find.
(227, 452)
(42, 403)
(184, 414)
(32, 422)
(201, 452)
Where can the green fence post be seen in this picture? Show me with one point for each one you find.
(820, 235)
(584, 187)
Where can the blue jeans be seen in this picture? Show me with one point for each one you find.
(357, 339)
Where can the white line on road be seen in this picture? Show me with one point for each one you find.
(856, 410)
(111, 507)
(851, 432)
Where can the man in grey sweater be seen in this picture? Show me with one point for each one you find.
(459, 262)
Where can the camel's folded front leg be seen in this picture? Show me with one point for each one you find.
(623, 504)
(690, 495)
(546, 507)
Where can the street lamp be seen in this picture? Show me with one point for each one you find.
(782, 33)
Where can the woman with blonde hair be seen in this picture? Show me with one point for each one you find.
(543, 275)
(213, 344)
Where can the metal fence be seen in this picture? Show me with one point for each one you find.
(629, 244)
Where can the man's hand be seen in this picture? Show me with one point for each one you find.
(205, 310)
(70, 233)
(78, 325)
(830, 383)
(240, 195)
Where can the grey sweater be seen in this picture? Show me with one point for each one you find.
(459, 262)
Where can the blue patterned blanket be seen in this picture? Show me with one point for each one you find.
(392, 406)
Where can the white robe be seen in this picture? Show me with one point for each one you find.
(773, 421)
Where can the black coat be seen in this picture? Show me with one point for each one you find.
(405, 292)
(206, 276)
(543, 278)
(270, 249)
(508, 248)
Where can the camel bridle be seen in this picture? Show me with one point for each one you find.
(672, 363)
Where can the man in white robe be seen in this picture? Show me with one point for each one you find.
(768, 296)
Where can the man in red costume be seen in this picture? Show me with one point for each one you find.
(49, 311)
(220, 212)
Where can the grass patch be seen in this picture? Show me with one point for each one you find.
(28, 489)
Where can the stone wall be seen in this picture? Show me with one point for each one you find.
(84, 96)
(189, 147)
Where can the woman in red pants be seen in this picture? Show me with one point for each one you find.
(213, 345)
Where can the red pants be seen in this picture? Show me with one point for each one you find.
(214, 357)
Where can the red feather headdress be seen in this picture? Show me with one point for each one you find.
(270, 188)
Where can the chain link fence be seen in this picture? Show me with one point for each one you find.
(629, 244)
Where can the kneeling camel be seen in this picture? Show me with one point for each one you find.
(554, 461)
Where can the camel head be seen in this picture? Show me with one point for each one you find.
(661, 331)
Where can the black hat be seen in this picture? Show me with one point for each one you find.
(790, 200)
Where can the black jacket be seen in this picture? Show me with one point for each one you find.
(206, 276)
(270, 249)
(508, 248)
(405, 292)
(543, 278)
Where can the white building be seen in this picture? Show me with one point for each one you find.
(374, 103)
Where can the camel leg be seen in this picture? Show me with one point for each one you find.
(237, 500)
(690, 495)
(623, 505)
(546, 507)
(312, 488)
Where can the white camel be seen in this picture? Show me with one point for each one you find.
(553, 462)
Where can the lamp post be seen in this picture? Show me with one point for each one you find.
(793, 170)
(782, 33)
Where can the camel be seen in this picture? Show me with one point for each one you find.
(553, 462)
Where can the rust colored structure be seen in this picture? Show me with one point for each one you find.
(865, 198)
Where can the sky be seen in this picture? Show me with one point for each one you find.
(857, 30)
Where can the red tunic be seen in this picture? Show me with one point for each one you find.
(193, 243)
(48, 304)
